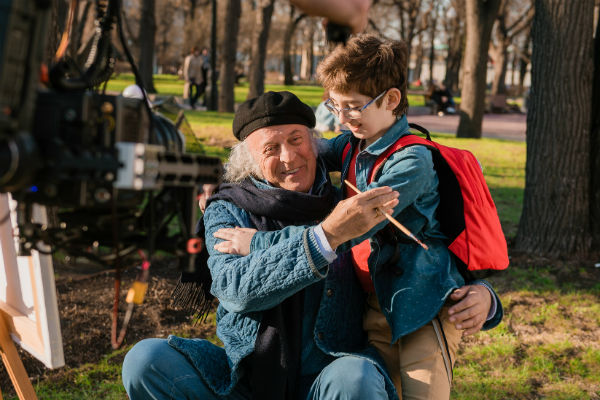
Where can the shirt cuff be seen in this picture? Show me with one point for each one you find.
(494, 305)
(323, 244)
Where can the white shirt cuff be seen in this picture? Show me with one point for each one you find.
(323, 244)
(494, 305)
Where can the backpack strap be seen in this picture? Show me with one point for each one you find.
(419, 128)
(346, 150)
(404, 141)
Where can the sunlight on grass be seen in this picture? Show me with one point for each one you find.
(90, 381)
(542, 349)
(172, 85)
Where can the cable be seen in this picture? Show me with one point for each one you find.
(136, 73)
(100, 62)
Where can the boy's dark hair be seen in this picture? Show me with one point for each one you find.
(367, 64)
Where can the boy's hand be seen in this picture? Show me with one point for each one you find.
(235, 240)
(352, 13)
(471, 311)
(355, 216)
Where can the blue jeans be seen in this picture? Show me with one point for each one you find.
(154, 370)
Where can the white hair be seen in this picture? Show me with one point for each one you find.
(242, 164)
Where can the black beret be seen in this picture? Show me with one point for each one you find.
(268, 109)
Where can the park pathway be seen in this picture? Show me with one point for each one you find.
(500, 126)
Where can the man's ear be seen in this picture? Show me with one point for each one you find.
(393, 97)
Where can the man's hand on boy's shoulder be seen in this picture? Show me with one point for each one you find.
(472, 308)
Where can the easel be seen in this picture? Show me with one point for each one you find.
(13, 363)
(28, 306)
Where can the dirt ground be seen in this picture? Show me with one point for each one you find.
(85, 301)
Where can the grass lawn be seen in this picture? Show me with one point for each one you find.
(547, 346)
(171, 85)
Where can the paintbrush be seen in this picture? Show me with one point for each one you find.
(392, 219)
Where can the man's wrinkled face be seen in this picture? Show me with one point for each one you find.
(285, 155)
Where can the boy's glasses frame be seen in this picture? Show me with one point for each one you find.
(351, 112)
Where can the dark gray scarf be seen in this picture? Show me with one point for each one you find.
(275, 363)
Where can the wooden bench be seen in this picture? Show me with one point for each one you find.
(426, 99)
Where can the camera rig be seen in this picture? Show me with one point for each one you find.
(115, 170)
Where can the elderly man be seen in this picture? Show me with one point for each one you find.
(290, 322)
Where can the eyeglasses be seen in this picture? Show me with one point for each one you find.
(350, 112)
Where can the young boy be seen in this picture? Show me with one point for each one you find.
(410, 291)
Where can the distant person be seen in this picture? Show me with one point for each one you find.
(326, 121)
(205, 68)
(195, 78)
(442, 98)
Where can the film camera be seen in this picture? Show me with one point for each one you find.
(115, 170)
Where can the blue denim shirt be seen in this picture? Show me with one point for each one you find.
(412, 289)
(245, 286)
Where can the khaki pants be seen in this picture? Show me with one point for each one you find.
(415, 362)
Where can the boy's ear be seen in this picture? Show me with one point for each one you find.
(393, 97)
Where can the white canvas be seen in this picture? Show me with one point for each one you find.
(27, 291)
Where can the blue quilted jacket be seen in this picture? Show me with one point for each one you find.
(245, 286)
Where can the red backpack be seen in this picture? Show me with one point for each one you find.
(467, 213)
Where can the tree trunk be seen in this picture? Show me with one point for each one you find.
(311, 51)
(433, 27)
(513, 70)
(418, 60)
(147, 31)
(228, 55)
(214, 95)
(500, 57)
(595, 145)
(189, 17)
(456, 41)
(524, 63)
(556, 209)
(504, 38)
(480, 16)
(453, 62)
(288, 72)
(259, 48)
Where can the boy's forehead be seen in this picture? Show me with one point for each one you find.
(346, 96)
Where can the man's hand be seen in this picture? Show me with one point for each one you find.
(208, 190)
(470, 313)
(352, 13)
(358, 214)
(235, 240)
